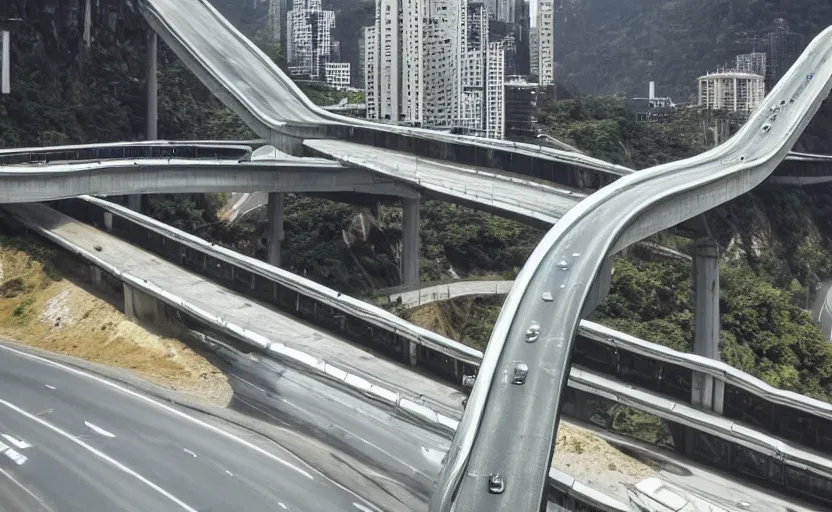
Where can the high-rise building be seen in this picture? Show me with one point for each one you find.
(277, 9)
(754, 63)
(542, 41)
(731, 91)
(521, 107)
(784, 47)
(309, 41)
(495, 119)
(338, 74)
(371, 73)
(362, 38)
(426, 63)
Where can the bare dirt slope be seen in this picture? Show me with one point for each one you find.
(41, 307)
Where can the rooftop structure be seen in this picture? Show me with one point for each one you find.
(731, 90)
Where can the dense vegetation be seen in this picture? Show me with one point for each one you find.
(610, 46)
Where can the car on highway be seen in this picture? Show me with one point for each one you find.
(521, 371)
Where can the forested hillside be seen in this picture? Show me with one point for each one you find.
(614, 46)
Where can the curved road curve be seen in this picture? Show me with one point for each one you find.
(509, 429)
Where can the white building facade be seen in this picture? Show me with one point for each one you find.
(732, 91)
(309, 38)
(542, 43)
(337, 74)
(495, 103)
(426, 64)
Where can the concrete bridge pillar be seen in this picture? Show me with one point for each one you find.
(142, 308)
(707, 392)
(134, 202)
(410, 242)
(274, 228)
(5, 73)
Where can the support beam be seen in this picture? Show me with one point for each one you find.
(141, 308)
(274, 227)
(134, 202)
(152, 89)
(88, 23)
(410, 242)
(152, 129)
(5, 79)
(706, 392)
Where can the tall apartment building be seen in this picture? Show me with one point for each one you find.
(754, 63)
(337, 74)
(426, 63)
(309, 41)
(495, 77)
(542, 41)
(370, 73)
(277, 9)
(784, 47)
(731, 91)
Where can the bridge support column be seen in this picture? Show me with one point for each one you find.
(152, 130)
(706, 392)
(134, 202)
(5, 73)
(410, 242)
(142, 308)
(274, 228)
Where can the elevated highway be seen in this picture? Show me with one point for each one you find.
(510, 429)
(31, 183)
(649, 377)
(319, 351)
(218, 150)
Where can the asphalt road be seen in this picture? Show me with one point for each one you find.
(482, 187)
(259, 87)
(451, 290)
(511, 428)
(91, 445)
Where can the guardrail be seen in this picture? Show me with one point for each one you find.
(403, 341)
(128, 150)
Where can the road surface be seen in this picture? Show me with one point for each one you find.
(451, 290)
(76, 442)
(544, 203)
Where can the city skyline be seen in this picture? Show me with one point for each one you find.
(443, 64)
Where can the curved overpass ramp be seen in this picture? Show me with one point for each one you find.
(510, 429)
(32, 183)
(249, 82)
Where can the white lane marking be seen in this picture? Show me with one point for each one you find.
(284, 507)
(99, 454)
(25, 489)
(212, 428)
(228, 473)
(18, 443)
(98, 430)
(15, 455)
(3, 447)
(189, 452)
(385, 452)
(48, 386)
